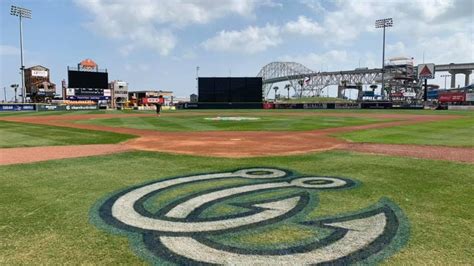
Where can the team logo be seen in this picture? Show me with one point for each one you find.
(250, 216)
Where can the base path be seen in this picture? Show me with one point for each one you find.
(37, 154)
(238, 144)
(416, 151)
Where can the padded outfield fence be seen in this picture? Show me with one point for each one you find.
(14, 107)
(362, 105)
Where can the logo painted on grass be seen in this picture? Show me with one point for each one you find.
(249, 216)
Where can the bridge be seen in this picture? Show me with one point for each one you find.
(308, 82)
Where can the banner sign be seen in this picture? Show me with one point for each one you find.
(314, 106)
(89, 91)
(81, 107)
(368, 94)
(470, 97)
(347, 106)
(17, 107)
(409, 94)
(452, 97)
(70, 92)
(51, 107)
(39, 73)
(95, 98)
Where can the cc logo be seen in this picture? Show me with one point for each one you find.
(182, 231)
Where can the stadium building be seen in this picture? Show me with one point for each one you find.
(119, 91)
(38, 85)
(149, 97)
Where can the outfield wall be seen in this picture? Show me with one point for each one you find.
(15, 107)
(362, 105)
(461, 107)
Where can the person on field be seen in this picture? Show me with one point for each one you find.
(159, 104)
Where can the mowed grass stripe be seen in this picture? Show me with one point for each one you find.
(274, 122)
(14, 134)
(456, 132)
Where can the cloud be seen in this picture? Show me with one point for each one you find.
(9, 50)
(348, 19)
(330, 60)
(397, 49)
(152, 24)
(458, 48)
(314, 5)
(254, 39)
(249, 40)
(303, 26)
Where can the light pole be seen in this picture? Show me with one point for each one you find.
(445, 76)
(383, 23)
(15, 87)
(21, 13)
(197, 78)
(5, 94)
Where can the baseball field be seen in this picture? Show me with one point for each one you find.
(266, 187)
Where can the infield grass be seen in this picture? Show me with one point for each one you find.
(14, 134)
(46, 206)
(456, 132)
(267, 122)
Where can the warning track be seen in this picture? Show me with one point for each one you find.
(233, 144)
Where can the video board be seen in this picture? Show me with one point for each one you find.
(226, 89)
(88, 79)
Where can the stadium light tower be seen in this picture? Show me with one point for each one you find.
(445, 76)
(21, 13)
(383, 23)
(197, 78)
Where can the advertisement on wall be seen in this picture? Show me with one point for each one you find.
(470, 97)
(452, 97)
(17, 107)
(409, 94)
(51, 107)
(70, 92)
(81, 107)
(85, 98)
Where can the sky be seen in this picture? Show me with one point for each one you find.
(157, 44)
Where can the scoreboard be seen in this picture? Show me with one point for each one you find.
(88, 79)
(227, 89)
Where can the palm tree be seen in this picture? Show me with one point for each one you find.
(287, 87)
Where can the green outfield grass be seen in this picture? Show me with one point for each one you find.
(456, 132)
(270, 121)
(46, 206)
(14, 134)
(245, 112)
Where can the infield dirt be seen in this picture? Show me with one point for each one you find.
(233, 144)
